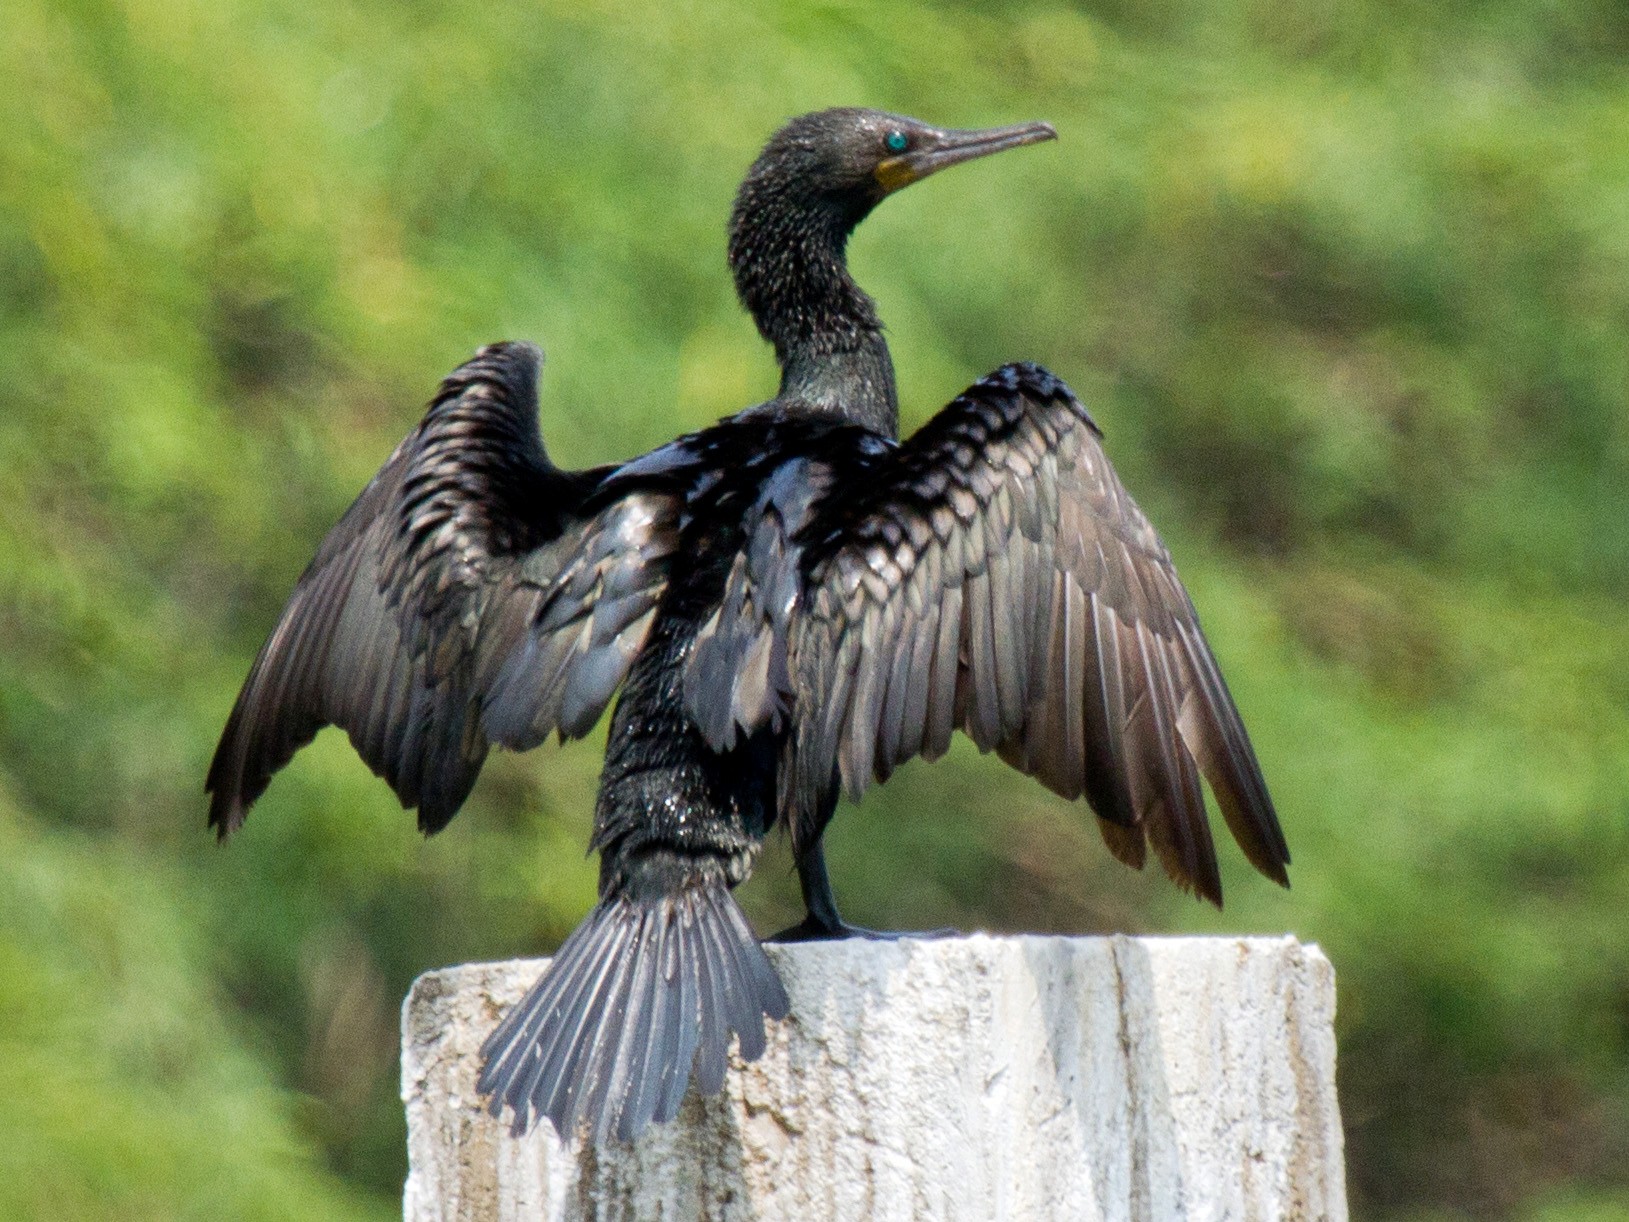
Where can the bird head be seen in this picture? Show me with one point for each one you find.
(846, 160)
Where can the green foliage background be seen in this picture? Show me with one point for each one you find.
(1348, 285)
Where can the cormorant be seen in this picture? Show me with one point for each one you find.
(793, 603)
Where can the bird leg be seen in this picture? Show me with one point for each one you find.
(823, 924)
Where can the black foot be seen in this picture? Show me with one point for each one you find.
(811, 930)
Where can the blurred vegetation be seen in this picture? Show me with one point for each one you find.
(1348, 284)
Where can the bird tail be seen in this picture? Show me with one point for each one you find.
(642, 991)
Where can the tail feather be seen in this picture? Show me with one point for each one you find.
(641, 994)
(710, 1058)
(680, 1052)
(541, 1031)
(735, 949)
(643, 1078)
(575, 1078)
(630, 1076)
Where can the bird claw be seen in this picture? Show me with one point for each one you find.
(811, 930)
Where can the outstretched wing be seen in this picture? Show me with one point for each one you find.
(992, 575)
(473, 594)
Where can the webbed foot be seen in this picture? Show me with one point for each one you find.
(811, 930)
(823, 924)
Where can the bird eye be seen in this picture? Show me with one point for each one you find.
(896, 141)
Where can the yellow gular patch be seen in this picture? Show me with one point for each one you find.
(894, 173)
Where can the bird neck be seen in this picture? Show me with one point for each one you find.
(857, 384)
(792, 275)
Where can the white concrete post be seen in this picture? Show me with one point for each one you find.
(968, 1078)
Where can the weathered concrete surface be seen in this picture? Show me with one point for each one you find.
(976, 1078)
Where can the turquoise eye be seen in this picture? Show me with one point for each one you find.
(896, 142)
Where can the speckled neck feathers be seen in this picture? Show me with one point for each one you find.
(787, 243)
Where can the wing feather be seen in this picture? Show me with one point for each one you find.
(992, 575)
(456, 604)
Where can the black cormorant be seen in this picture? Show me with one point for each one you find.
(792, 602)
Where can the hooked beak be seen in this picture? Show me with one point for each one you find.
(954, 147)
